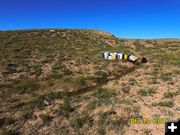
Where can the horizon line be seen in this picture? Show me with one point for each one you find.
(129, 38)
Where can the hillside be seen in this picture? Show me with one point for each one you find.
(55, 82)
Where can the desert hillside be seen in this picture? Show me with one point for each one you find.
(54, 82)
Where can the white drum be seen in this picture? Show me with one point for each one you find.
(132, 58)
(106, 54)
(120, 56)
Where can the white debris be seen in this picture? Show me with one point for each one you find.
(132, 58)
(46, 102)
(52, 30)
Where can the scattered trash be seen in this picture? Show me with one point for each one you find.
(123, 57)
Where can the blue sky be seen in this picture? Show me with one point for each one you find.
(124, 18)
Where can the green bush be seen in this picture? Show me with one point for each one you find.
(168, 95)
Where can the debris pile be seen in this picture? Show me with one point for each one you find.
(122, 56)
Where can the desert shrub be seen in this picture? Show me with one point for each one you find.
(81, 81)
(100, 73)
(132, 81)
(45, 118)
(177, 92)
(55, 75)
(26, 114)
(37, 103)
(112, 121)
(149, 42)
(175, 60)
(27, 85)
(9, 121)
(8, 132)
(155, 70)
(101, 131)
(166, 76)
(82, 119)
(168, 95)
(101, 77)
(88, 119)
(147, 132)
(29, 108)
(104, 93)
(171, 82)
(11, 68)
(153, 80)
(68, 79)
(50, 83)
(77, 122)
(6, 121)
(105, 116)
(101, 96)
(138, 46)
(165, 103)
(66, 107)
(47, 60)
(68, 72)
(118, 124)
(176, 72)
(37, 69)
(147, 92)
(125, 87)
